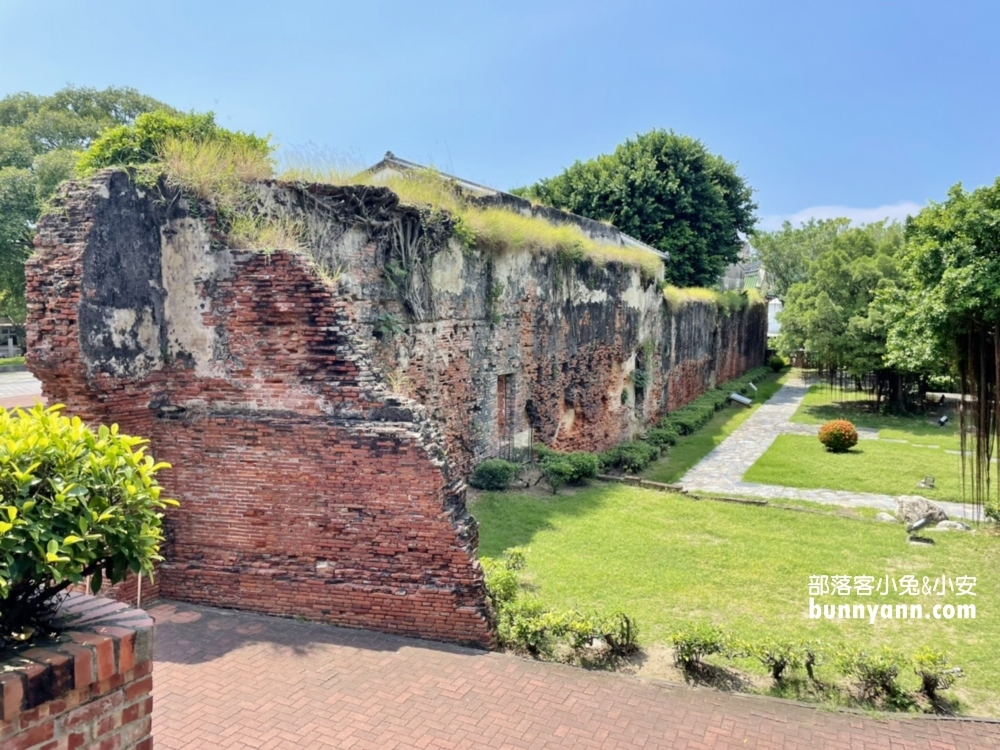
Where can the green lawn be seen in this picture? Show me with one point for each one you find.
(822, 404)
(872, 466)
(883, 466)
(669, 560)
(690, 449)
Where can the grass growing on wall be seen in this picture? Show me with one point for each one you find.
(678, 298)
(225, 172)
(494, 229)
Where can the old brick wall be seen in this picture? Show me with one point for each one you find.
(320, 411)
(306, 486)
(91, 687)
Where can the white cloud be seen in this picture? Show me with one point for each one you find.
(895, 211)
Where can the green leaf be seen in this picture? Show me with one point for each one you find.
(96, 581)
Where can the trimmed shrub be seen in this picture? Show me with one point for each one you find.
(775, 655)
(631, 457)
(877, 672)
(585, 465)
(557, 472)
(74, 503)
(932, 668)
(567, 468)
(524, 624)
(777, 363)
(838, 435)
(695, 642)
(661, 437)
(494, 474)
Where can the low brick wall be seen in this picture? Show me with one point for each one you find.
(89, 687)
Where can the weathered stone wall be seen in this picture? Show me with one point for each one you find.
(506, 346)
(306, 487)
(320, 412)
(89, 687)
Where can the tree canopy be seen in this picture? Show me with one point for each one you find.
(946, 309)
(41, 138)
(670, 192)
(787, 252)
(830, 313)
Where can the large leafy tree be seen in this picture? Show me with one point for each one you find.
(41, 138)
(831, 313)
(946, 309)
(670, 192)
(786, 253)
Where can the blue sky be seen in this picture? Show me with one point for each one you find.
(859, 108)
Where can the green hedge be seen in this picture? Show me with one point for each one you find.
(633, 456)
(691, 417)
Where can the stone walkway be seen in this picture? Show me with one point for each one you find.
(722, 470)
(19, 389)
(225, 679)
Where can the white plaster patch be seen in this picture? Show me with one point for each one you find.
(582, 295)
(634, 295)
(186, 261)
(447, 269)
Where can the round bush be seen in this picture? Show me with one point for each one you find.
(494, 474)
(777, 363)
(73, 503)
(838, 436)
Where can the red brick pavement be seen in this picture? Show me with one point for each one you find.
(224, 679)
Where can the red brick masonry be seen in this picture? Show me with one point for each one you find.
(89, 687)
(306, 487)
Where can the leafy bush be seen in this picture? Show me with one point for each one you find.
(142, 142)
(662, 437)
(631, 457)
(776, 655)
(932, 668)
(524, 624)
(695, 642)
(777, 363)
(557, 472)
(494, 474)
(876, 672)
(74, 503)
(621, 633)
(567, 468)
(838, 435)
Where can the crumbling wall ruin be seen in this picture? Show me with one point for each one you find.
(320, 409)
(306, 487)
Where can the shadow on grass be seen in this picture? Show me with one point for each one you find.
(513, 518)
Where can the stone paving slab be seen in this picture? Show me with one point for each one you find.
(722, 470)
(19, 389)
(225, 679)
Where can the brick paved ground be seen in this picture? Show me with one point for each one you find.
(232, 680)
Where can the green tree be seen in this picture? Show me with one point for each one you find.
(946, 310)
(832, 313)
(41, 138)
(786, 253)
(670, 192)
